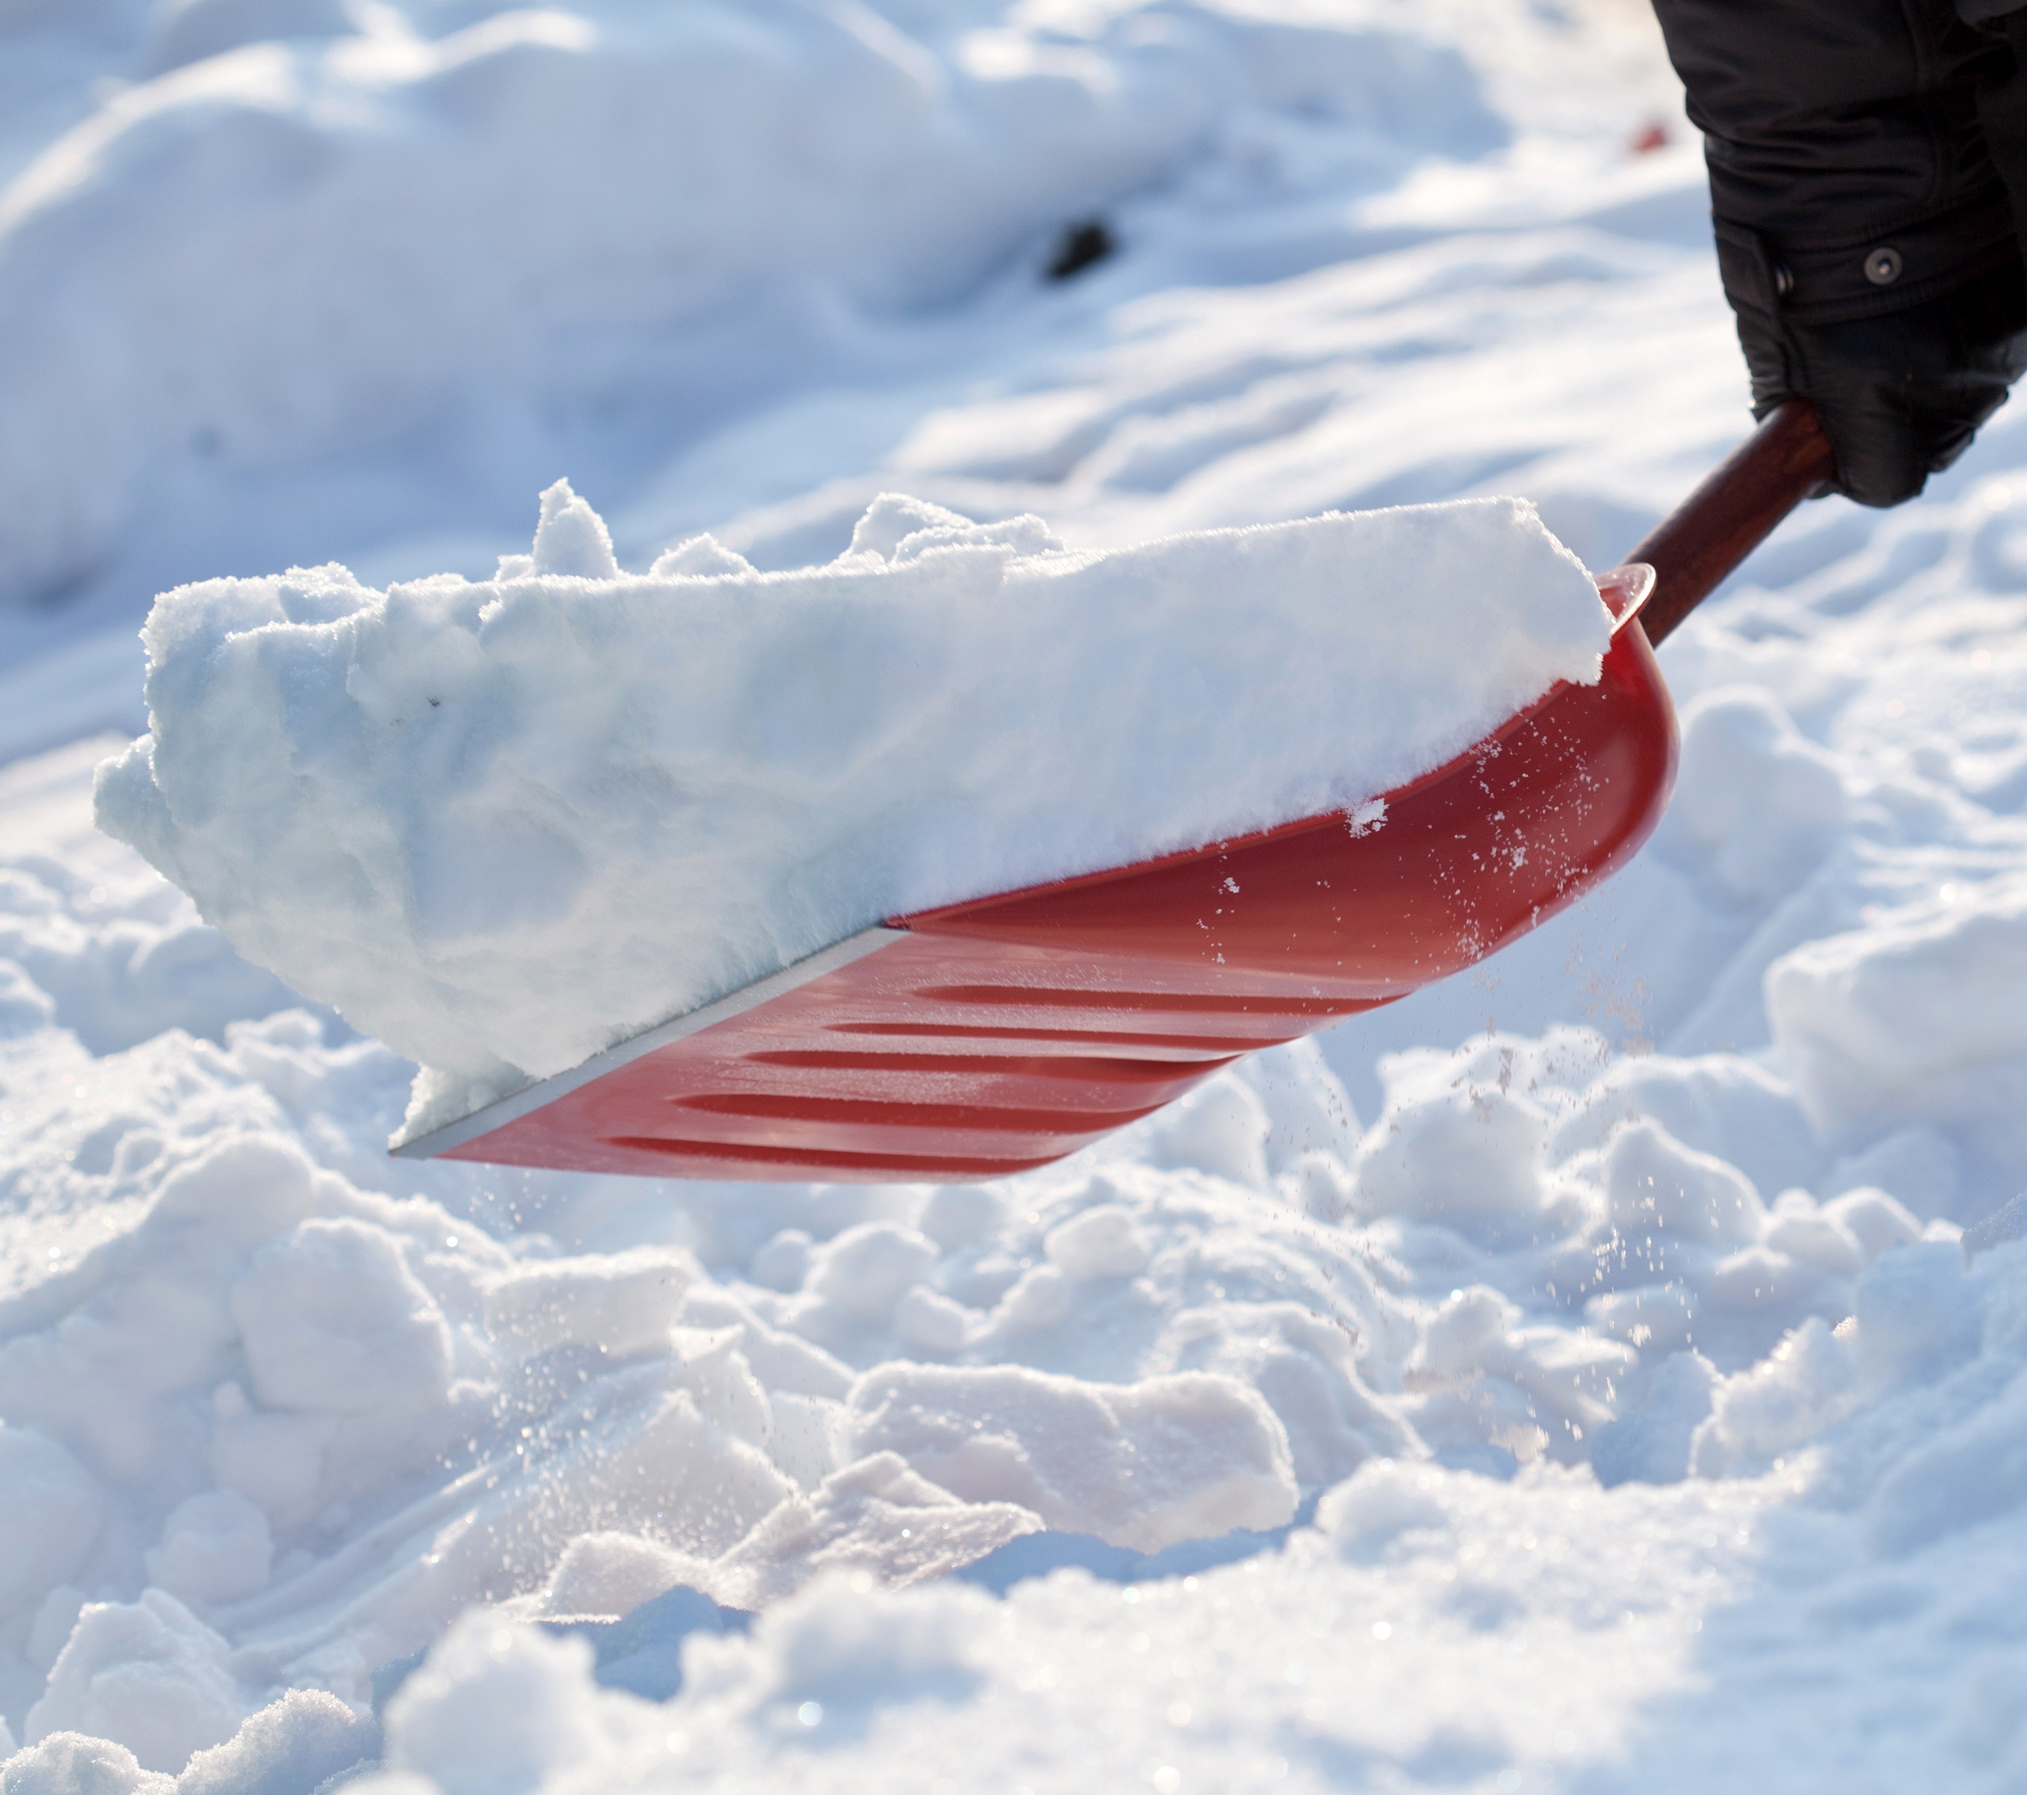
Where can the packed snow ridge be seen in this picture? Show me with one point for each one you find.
(504, 824)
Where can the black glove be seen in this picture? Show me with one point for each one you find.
(1901, 393)
(1865, 157)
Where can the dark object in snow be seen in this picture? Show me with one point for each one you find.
(1081, 245)
(1866, 161)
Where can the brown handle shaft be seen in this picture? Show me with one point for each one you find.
(1705, 537)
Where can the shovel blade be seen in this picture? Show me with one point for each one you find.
(994, 1036)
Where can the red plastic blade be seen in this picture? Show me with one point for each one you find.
(994, 1036)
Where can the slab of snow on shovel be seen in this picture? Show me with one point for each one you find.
(539, 830)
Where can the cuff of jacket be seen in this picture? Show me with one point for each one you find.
(1833, 279)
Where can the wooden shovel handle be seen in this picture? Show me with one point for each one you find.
(1732, 513)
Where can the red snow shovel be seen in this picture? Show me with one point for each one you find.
(997, 1035)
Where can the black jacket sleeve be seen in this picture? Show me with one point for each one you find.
(1860, 154)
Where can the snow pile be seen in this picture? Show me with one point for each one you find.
(502, 825)
(1434, 1629)
(1555, 1341)
(265, 1429)
(316, 228)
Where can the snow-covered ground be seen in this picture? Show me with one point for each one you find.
(1606, 1372)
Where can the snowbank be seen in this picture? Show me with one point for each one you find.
(502, 825)
(309, 228)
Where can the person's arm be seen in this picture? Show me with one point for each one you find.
(1865, 233)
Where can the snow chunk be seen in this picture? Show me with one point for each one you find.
(72, 1764)
(1808, 1382)
(1146, 1465)
(148, 1675)
(505, 825)
(570, 539)
(877, 1516)
(300, 1742)
(614, 1573)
